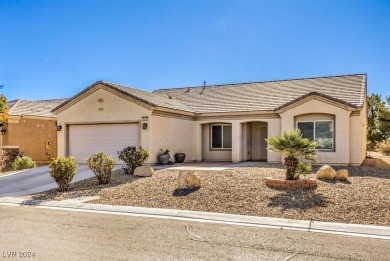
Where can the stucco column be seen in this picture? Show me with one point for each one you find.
(273, 129)
(198, 142)
(236, 142)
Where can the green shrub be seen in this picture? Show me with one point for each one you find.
(23, 162)
(133, 158)
(102, 166)
(384, 147)
(303, 168)
(63, 170)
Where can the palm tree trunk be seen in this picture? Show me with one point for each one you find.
(291, 164)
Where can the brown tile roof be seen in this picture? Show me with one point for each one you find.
(150, 98)
(268, 96)
(33, 108)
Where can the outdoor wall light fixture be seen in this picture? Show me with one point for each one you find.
(144, 118)
(144, 126)
(59, 128)
(3, 130)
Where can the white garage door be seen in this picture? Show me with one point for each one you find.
(86, 140)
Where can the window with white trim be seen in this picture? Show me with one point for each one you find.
(320, 131)
(221, 136)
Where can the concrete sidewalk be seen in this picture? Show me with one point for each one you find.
(369, 231)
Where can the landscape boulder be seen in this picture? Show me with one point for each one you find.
(187, 180)
(342, 174)
(143, 171)
(326, 172)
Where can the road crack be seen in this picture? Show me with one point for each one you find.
(192, 236)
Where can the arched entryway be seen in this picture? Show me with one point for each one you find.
(254, 146)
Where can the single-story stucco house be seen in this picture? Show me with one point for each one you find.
(31, 129)
(220, 122)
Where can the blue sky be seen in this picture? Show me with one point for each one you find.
(54, 49)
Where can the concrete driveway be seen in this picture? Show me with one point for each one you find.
(36, 180)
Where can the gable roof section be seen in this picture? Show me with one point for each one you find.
(148, 98)
(314, 94)
(40, 108)
(270, 96)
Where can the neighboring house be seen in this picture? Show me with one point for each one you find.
(31, 127)
(218, 123)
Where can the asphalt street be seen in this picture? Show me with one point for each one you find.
(35, 180)
(51, 234)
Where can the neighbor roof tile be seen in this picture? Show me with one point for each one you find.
(33, 108)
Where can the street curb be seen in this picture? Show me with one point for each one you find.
(357, 230)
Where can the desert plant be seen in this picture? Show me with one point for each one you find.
(63, 170)
(294, 148)
(102, 166)
(384, 147)
(23, 162)
(304, 167)
(133, 158)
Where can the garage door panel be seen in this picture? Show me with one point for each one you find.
(86, 140)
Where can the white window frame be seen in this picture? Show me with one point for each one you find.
(314, 132)
(211, 136)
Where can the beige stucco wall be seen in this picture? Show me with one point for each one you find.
(207, 152)
(177, 135)
(313, 117)
(115, 109)
(259, 145)
(260, 129)
(342, 128)
(358, 137)
(246, 141)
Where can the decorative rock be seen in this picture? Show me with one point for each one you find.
(187, 180)
(143, 171)
(342, 174)
(326, 172)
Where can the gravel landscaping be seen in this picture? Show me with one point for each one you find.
(364, 199)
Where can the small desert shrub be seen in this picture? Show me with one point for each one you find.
(102, 166)
(303, 168)
(63, 170)
(23, 162)
(133, 158)
(384, 147)
(294, 148)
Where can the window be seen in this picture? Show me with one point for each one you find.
(221, 136)
(321, 131)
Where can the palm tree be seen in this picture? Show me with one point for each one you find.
(294, 148)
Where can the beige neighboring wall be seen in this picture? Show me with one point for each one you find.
(35, 137)
(116, 109)
(341, 154)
